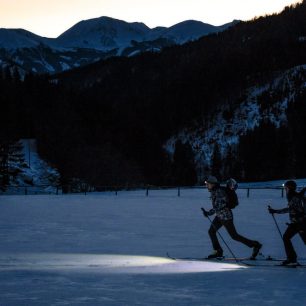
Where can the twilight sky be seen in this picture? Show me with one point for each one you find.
(51, 18)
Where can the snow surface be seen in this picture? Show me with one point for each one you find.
(103, 249)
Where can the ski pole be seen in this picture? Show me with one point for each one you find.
(276, 223)
(220, 236)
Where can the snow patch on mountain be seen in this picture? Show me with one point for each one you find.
(226, 130)
(65, 66)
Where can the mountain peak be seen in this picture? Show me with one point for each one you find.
(91, 40)
(102, 33)
(186, 30)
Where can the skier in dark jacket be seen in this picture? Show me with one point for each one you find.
(297, 217)
(224, 217)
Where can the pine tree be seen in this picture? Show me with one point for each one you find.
(16, 75)
(184, 172)
(230, 165)
(4, 177)
(216, 162)
(11, 158)
(7, 74)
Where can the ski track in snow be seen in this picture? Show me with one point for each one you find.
(103, 249)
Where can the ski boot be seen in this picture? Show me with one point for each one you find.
(256, 250)
(215, 254)
(290, 263)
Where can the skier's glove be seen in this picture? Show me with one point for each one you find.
(205, 212)
(271, 210)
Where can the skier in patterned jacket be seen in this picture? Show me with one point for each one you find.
(224, 217)
(297, 217)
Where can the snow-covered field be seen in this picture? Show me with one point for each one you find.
(103, 249)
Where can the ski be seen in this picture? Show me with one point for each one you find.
(223, 258)
(194, 258)
(273, 265)
(264, 262)
(245, 261)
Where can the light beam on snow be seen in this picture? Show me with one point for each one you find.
(110, 264)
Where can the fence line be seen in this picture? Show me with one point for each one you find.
(47, 189)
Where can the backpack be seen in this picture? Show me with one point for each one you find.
(231, 186)
(232, 198)
(304, 206)
(303, 199)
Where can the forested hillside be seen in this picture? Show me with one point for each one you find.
(107, 122)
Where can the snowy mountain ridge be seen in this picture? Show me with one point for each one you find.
(91, 40)
(19, 38)
(245, 117)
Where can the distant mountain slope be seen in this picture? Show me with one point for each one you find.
(186, 31)
(12, 39)
(91, 40)
(267, 103)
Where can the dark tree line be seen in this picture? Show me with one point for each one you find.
(10, 154)
(270, 152)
